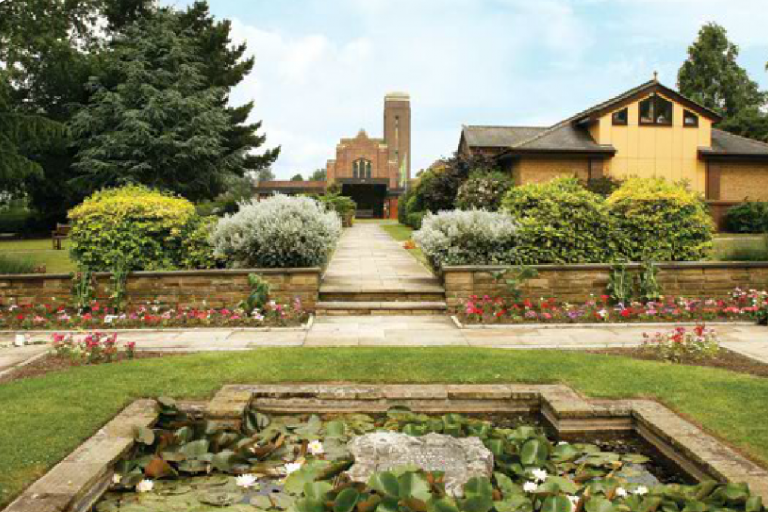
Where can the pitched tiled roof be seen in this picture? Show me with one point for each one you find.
(566, 137)
(499, 136)
(724, 143)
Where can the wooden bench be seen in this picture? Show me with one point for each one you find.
(60, 233)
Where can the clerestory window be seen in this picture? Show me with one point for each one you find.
(656, 111)
(620, 117)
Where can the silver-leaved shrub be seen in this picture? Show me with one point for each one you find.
(472, 237)
(279, 232)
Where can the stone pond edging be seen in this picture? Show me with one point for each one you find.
(218, 288)
(81, 478)
(580, 281)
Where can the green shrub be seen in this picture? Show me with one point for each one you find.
(483, 191)
(342, 205)
(13, 265)
(561, 222)
(438, 186)
(660, 221)
(604, 186)
(140, 228)
(402, 207)
(415, 219)
(750, 217)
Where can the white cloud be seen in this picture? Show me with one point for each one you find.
(463, 61)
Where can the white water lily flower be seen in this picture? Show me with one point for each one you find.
(530, 487)
(574, 501)
(539, 474)
(292, 467)
(246, 481)
(145, 486)
(621, 492)
(640, 490)
(316, 447)
(116, 479)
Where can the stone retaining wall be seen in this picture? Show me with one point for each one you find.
(577, 282)
(218, 288)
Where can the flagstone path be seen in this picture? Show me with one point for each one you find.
(367, 259)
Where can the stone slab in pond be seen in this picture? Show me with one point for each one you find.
(460, 459)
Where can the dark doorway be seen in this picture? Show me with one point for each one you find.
(368, 197)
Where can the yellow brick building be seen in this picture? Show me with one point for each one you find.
(648, 131)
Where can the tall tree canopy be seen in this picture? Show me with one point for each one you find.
(225, 65)
(711, 76)
(21, 133)
(54, 47)
(154, 119)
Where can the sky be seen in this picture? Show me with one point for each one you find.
(324, 66)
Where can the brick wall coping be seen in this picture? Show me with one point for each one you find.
(578, 267)
(174, 273)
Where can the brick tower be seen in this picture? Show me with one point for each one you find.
(397, 130)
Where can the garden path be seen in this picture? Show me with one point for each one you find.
(368, 260)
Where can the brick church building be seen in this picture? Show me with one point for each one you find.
(372, 171)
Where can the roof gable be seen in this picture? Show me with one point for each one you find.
(638, 93)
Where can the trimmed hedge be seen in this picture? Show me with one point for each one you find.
(660, 221)
(561, 222)
(751, 217)
(483, 191)
(141, 229)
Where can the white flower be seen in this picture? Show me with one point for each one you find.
(108, 319)
(641, 489)
(315, 447)
(145, 486)
(621, 492)
(116, 479)
(539, 474)
(530, 487)
(602, 313)
(574, 501)
(245, 481)
(292, 467)
(561, 443)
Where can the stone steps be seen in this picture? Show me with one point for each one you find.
(356, 308)
(423, 295)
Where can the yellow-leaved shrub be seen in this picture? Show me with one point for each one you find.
(141, 229)
(656, 220)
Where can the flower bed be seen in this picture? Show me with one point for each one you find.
(149, 316)
(740, 306)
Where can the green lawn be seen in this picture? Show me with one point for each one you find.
(402, 233)
(730, 246)
(40, 251)
(43, 419)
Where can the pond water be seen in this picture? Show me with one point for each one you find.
(302, 463)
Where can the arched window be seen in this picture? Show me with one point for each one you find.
(361, 169)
